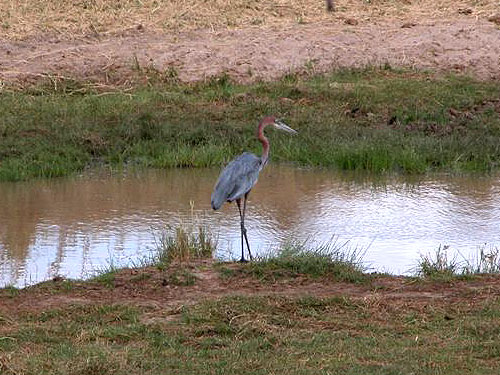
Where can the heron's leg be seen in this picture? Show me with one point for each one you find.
(244, 230)
(238, 202)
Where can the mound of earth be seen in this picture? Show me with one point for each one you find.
(166, 289)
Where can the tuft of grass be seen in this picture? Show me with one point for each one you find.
(67, 285)
(182, 277)
(439, 267)
(486, 261)
(184, 246)
(106, 276)
(332, 260)
(11, 290)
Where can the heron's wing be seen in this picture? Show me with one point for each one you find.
(239, 176)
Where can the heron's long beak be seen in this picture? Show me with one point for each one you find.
(282, 126)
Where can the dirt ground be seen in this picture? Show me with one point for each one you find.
(154, 289)
(458, 36)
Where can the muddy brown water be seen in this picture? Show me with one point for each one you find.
(73, 227)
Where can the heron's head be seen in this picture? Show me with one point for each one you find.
(278, 124)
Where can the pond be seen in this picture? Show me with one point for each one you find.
(73, 227)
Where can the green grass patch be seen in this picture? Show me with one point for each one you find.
(376, 120)
(182, 277)
(333, 260)
(257, 335)
(106, 276)
(12, 291)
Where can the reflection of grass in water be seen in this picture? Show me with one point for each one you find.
(376, 120)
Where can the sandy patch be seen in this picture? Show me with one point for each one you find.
(250, 54)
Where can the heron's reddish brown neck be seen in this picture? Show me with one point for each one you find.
(262, 138)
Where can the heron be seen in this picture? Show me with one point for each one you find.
(241, 174)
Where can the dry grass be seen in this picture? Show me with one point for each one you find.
(154, 322)
(26, 18)
(187, 244)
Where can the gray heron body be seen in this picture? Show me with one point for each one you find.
(241, 174)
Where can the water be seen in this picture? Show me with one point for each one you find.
(73, 227)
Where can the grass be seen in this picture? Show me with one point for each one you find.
(439, 267)
(22, 19)
(487, 261)
(255, 335)
(12, 290)
(106, 277)
(179, 247)
(177, 250)
(332, 260)
(375, 120)
(185, 246)
(381, 327)
(182, 277)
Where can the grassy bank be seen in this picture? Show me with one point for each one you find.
(255, 335)
(299, 312)
(197, 319)
(376, 120)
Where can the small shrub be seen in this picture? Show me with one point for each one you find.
(438, 266)
(184, 246)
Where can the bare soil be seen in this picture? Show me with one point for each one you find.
(154, 289)
(444, 36)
